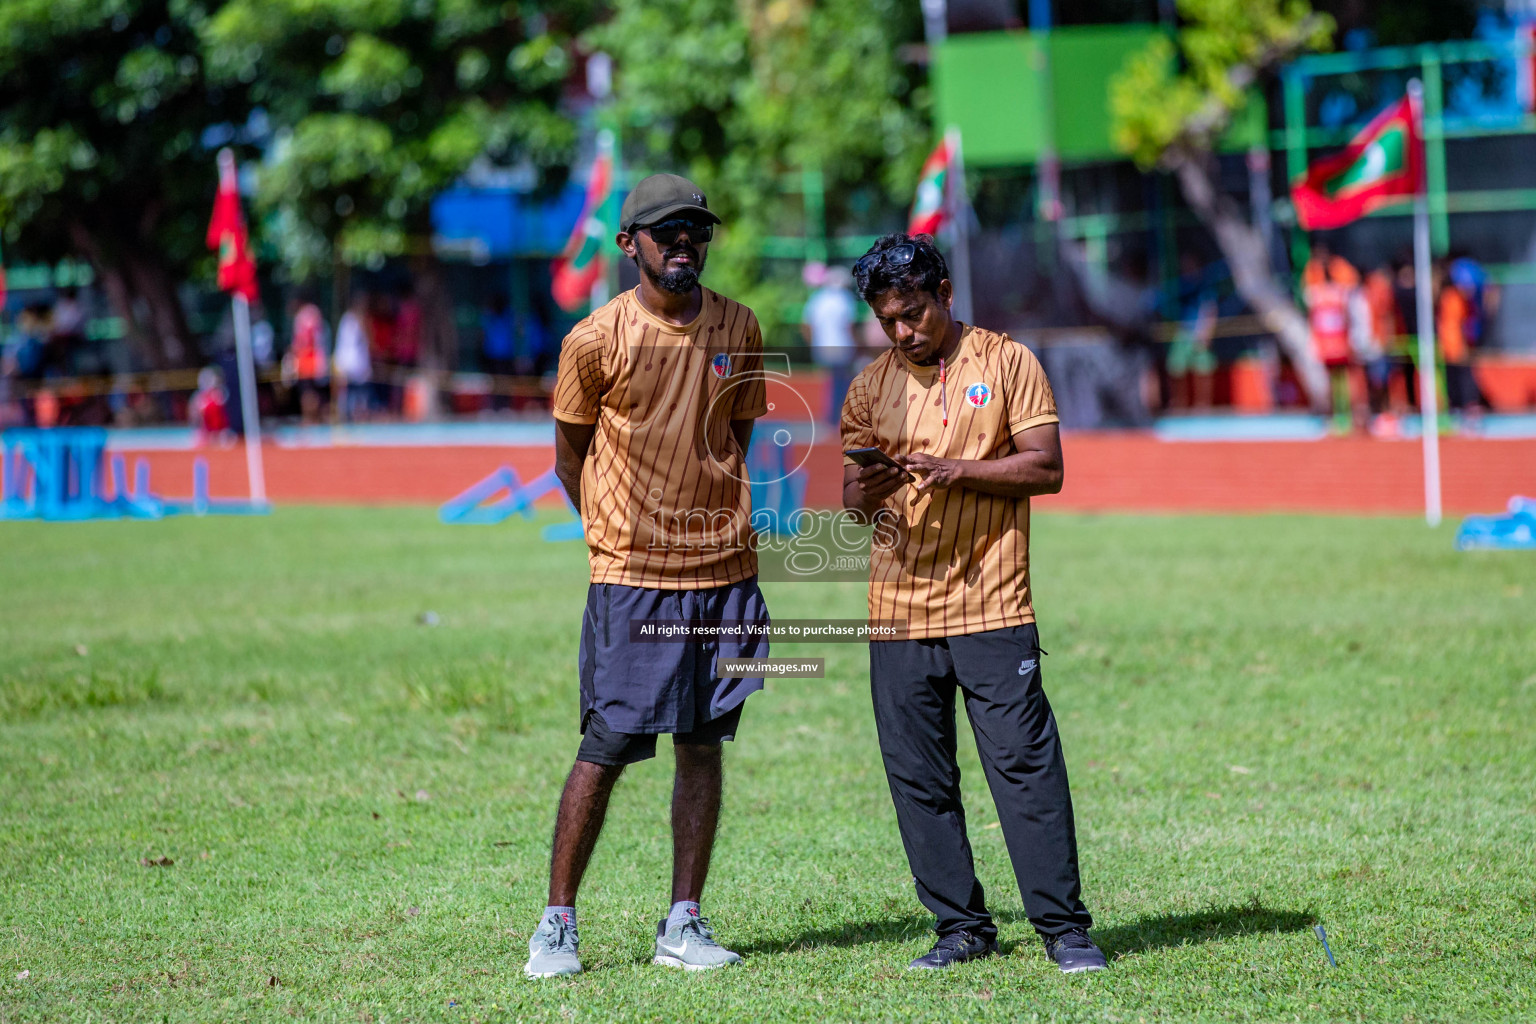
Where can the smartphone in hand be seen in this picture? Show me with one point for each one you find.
(876, 457)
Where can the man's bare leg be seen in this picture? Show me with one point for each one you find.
(583, 806)
(695, 815)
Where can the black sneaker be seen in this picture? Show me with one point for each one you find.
(954, 948)
(1074, 952)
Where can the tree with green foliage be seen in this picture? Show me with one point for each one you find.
(1175, 99)
(383, 105)
(103, 104)
(740, 94)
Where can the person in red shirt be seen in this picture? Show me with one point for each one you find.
(306, 365)
(209, 408)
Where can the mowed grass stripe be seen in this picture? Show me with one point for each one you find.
(1269, 721)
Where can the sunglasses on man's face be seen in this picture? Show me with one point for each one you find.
(895, 256)
(669, 231)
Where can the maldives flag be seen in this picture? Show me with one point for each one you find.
(581, 265)
(1382, 164)
(929, 209)
(227, 237)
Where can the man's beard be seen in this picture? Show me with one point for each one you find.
(679, 281)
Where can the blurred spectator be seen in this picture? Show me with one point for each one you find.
(29, 358)
(533, 351)
(68, 324)
(209, 409)
(10, 409)
(1455, 326)
(497, 348)
(1327, 282)
(1406, 291)
(1379, 332)
(1483, 296)
(352, 362)
(828, 325)
(381, 340)
(1191, 363)
(306, 363)
(407, 326)
(263, 337)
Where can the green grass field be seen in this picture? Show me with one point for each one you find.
(1269, 721)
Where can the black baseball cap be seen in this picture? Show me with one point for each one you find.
(660, 196)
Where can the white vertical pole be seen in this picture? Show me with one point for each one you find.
(1429, 412)
(248, 411)
(960, 217)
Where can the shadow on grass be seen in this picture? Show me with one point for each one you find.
(853, 933)
(1140, 936)
(1162, 932)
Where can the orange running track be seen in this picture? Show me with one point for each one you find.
(1121, 472)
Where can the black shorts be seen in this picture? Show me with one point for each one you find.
(600, 745)
(669, 686)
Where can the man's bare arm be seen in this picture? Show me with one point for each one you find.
(1036, 468)
(572, 442)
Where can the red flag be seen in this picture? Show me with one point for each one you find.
(930, 208)
(1381, 164)
(581, 265)
(227, 237)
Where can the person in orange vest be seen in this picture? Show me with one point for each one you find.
(1381, 332)
(1328, 281)
(306, 365)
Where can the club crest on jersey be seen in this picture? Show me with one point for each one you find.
(721, 364)
(978, 395)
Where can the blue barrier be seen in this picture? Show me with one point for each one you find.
(474, 506)
(777, 494)
(1515, 531)
(56, 474)
(63, 468)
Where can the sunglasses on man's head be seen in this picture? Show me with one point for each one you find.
(895, 256)
(669, 231)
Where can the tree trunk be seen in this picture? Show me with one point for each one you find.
(1243, 246)
(439, 331)
(141, 293)
(167, 321)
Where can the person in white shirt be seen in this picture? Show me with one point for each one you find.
(828, 325)
(352, 364)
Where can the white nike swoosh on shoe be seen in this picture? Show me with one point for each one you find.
(672, 949)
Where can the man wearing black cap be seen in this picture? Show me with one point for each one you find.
(654, 404)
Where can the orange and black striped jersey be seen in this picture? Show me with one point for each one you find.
(958, 561)
(664, 492)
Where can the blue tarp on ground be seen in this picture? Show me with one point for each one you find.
(1514, 531)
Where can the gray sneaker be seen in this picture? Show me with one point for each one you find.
(691, 946)
(552, 950)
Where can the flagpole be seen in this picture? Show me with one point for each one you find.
(248, 411)
(246, 366)
(1429, 414)
(960, 217)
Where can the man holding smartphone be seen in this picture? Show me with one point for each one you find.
(654, 404)
(969, 414)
